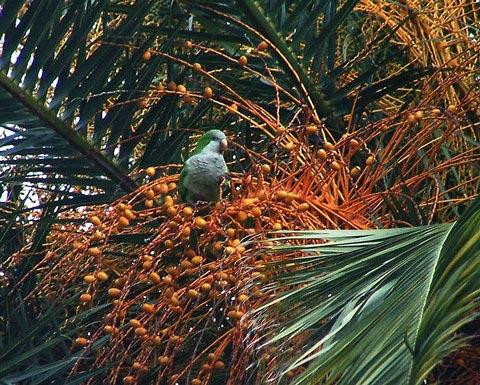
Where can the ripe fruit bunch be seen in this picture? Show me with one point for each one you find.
(178, 281)
(187, 282)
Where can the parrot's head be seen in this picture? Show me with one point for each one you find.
(213, 140)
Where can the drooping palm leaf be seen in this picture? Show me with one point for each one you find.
(70, 86)
(35, 335)
(377, 306)
(60, 63)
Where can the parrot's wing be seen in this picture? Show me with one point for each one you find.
(182, 189)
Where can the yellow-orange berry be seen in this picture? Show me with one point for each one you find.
(266, 169)
(322, 154)
(233, 108)
(136, 365)
(289, 146)
(174, 300)
(196, 381)
(242, 60)
(169, 244)
(451, 108)
(172, 86)
(206, 287)
(108, 329)
(197, 260)
(148, 308)
(370, 160)
(147, 55)
(419, 115)
(200, 222)
(335, 166)
(85, 297)
(94, 251)
(120, 282)
(122, 221)
(207, 92)
(186, 264)
(155, 278)
(256, 212)
(135, 323)
(149, 194)
(102, 276)
(219, 365)
(162, 188)
(436, 112)
(355, 171)
(157, 340)
(80, 341)
(242, 298)
(242, 216)
(262, 46)
(128, 380)
(150, 171)
(238, 314)
(188, 44)
(190, 253)
(282, 194)
(167, 280)
(171, 211)
(328, 146)
(129, 214)
(304, 206)
(411, 118)
(311, 129)
(113, 292)
(181, 88)
(140, 331)
(186, 232)
(277, 226)
(217, 246)
(197, 66)
(95, 220)
(354, 143)
(89, 278)
(163, 360)
(172, 225)
(193, 293)
(187, 212)
(148, 203)
(98, 235)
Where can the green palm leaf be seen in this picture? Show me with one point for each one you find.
(377, 306)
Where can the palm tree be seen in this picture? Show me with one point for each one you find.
(91, 96)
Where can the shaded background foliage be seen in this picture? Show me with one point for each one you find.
(85, 110)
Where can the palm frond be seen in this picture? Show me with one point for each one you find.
(373, 307)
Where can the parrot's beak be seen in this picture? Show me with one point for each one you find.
(223, 145)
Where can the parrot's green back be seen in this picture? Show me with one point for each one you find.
(182, 191)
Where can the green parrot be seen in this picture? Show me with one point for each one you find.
(203, 173)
